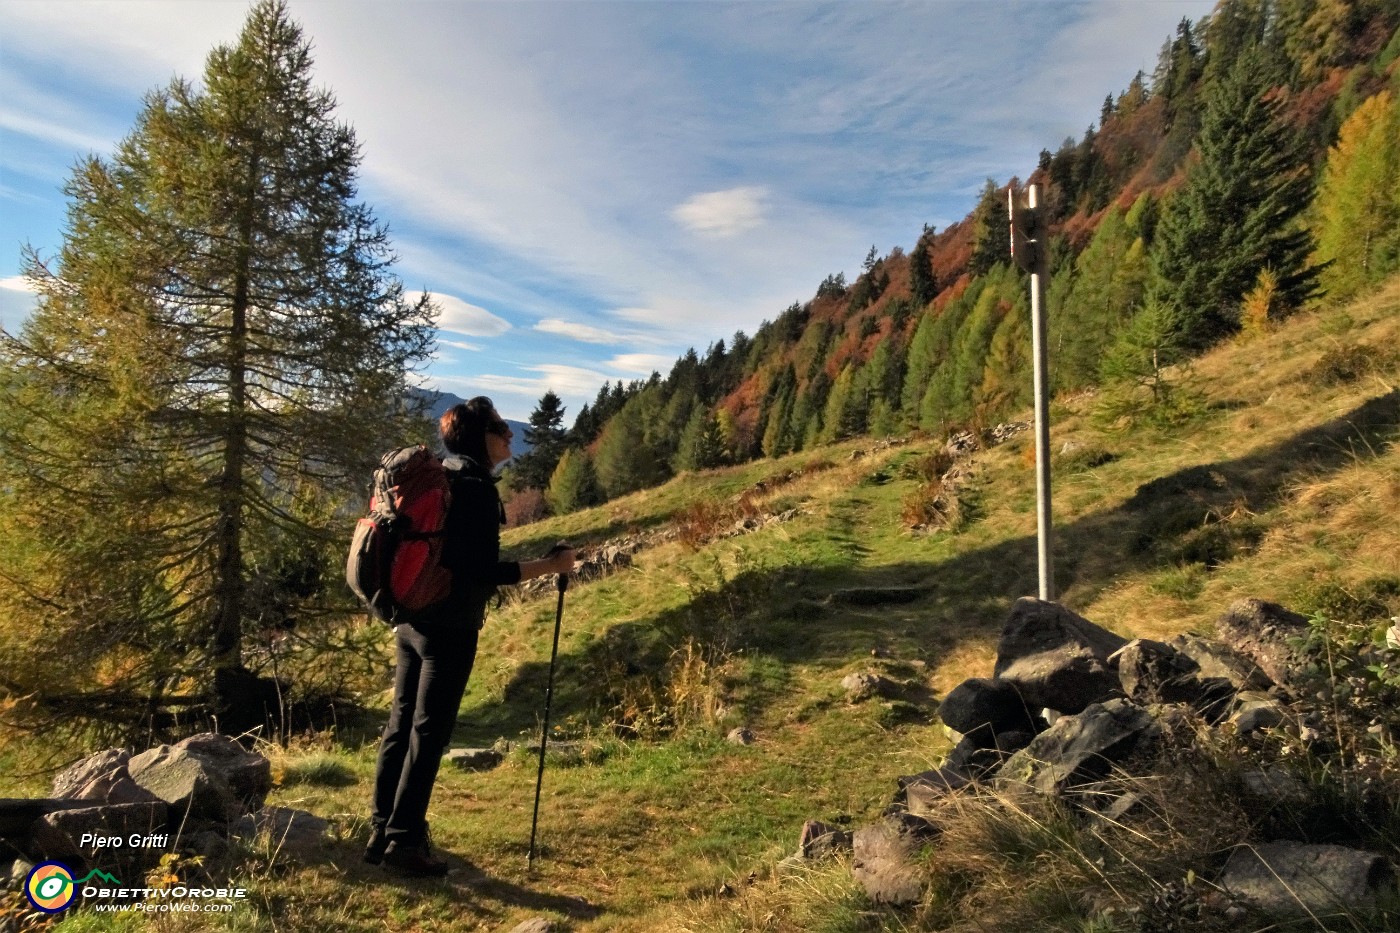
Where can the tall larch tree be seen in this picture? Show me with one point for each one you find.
(219, 348)
(1357, 211)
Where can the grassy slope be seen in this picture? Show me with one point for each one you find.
(1301, 489)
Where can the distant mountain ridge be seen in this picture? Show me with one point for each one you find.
(439, 402)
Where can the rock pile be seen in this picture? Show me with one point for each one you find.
(1068, 701)
(617, 554)
(121, 812)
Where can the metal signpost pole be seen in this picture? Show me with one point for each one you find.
(1028, 248)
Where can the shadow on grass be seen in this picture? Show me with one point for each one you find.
(1205, 514)
(471, 889)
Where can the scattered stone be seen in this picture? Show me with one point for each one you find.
(208, 845)
(285, 827)
(964, 442)
(1219, 661)
(740, 736)
(1256, 711)
(921, 792)
(1007, 430)
(1275, 787)
(1293, 878)
(110, 764)
(863, 686)
(883, 864)
(981, 709)
(973, 760)
(475, 759)
(1266, 634)
(537, 925)
(1151, 672)
(19, 872)
(820, 840)
(187, 783)
(1056, 658)
(1078, 748)
(147, 820)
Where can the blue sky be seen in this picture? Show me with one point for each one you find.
(592, 187)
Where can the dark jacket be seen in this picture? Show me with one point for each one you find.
(472, 549)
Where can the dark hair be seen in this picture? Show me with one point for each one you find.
(464, 428)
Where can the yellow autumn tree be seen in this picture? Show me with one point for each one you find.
(1356, 216)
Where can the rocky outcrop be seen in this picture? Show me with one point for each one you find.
(1297, 879)
(1109, 702)
(1056, 659)
(122, 812)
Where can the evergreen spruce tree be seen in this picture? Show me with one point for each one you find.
(1236, 214)
(991, 230)
(546, 436)
(218, 353)
(922, 282)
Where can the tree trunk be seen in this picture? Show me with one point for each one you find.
(230, 678)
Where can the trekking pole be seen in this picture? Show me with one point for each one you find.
(562, 583)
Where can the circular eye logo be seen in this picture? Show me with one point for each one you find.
(50, 887)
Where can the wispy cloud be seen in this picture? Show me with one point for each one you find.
(585, 333)
(643, 364)
(723, 213)
(462, 317)
(50, 132)
(634, 177)
(458, 344)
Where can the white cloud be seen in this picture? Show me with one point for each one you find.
(565, 380)
(723, 213)
(49, 132)
(461, 317)
(642, 363)
(459, 344)
(17, 300)
(582, 332)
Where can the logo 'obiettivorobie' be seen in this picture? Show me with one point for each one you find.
(51, 887)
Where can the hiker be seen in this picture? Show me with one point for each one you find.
(435, 654)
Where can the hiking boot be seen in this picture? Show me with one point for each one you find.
(374, 849)
(414, 859)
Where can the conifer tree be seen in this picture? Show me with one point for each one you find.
(546, 436)
(1236, 214)
(922, 282)
(701, 447)
(991, 230)
(1357, 211)
(574, 484)
(1106, 289)
(219, 351)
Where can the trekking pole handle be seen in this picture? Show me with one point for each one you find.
(561, 582)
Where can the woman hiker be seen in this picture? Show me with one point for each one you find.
(435, 654)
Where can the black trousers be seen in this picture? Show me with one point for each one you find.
(434, 662)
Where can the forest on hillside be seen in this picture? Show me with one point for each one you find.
(221, 348)
(1254, 171)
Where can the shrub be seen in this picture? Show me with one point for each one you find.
(1351, 363)
(525, 507)
(931, 466)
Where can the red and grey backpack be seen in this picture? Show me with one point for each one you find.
(395, 562)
